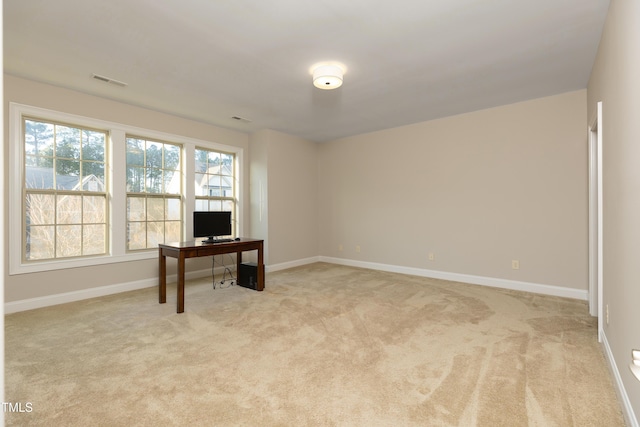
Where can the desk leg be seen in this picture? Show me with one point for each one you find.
(162, 278)
(180, 283)
(260, 285)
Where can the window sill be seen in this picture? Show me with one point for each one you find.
(40, 266)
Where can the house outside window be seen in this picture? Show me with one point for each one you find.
(65, 191)
(215, 182)
(154, 193)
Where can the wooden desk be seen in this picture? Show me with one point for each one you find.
(195, 248)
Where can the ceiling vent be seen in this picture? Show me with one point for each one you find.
(109, 80)
(241, 119)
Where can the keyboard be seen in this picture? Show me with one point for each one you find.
(218, 241)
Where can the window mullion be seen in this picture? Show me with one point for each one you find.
(118, 192)
(189, 191)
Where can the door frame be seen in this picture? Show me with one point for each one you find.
(596, 277)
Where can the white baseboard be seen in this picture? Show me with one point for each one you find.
(32, 303)
(292, 264)
(629, 415)
(467, 278)
(49, 300)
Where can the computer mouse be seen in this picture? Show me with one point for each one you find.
(237, 239)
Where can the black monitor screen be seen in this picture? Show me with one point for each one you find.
(211, 224)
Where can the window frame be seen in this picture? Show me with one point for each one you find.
(117, 191)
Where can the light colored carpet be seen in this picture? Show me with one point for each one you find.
(323, 345)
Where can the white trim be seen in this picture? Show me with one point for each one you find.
(467, 278)
(117, 190)
(28, 304)
(292, 264)
(600, 149)
(596, 264)
(629, 415)
(117, 179)
(61, 264)
(593, 216)
(50, 300)
(536, 288)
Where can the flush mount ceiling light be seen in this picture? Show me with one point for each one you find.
(327, 76)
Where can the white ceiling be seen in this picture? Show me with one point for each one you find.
(407, 60)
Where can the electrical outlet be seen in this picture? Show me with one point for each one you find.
(431, 256)
(515, 264)
(606, 314)
(340, 248)
(358, 248)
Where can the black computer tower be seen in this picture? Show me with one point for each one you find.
(248, 275)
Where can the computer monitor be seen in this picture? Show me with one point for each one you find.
(211, 225)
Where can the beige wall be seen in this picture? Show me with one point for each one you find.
(25, 286)
(477, 190)
(286, 168)
(258, 187)
(615, 80)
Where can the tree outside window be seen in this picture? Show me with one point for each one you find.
(154, 193)
(65, 208)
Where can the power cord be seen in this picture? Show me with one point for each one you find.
(225, 272)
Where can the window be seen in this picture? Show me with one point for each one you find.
(154, 193)
(215, 187)
(85, 191)
(65, 192)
